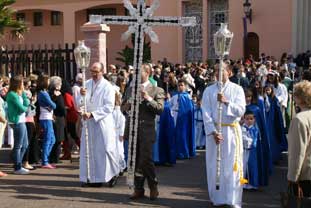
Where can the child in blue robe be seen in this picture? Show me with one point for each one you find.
(250, 135)
(274, 120)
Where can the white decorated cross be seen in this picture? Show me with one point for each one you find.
(140, 21)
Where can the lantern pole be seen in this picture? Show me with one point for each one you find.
(222, 44)
(219, 129)
(86, 131)
(293, 70)
(82, 56)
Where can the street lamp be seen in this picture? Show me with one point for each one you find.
(248, 10)
(222, 44)
(82, 55)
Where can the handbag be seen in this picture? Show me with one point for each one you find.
(290, 200)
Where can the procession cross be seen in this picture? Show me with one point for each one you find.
(140, 22)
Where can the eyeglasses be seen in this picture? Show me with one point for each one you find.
(95, 72)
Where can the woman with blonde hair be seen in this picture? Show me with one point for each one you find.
(299, 142)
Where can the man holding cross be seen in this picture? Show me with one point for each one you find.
(152, 104)
(140, 22)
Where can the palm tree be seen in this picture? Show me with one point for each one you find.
(127, 54)
(8, 22)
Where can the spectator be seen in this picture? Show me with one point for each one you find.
(299, 141)
(46, 119)
(17, 106)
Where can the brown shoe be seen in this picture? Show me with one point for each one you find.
(137, 195)
(154, 193)
(65, 157)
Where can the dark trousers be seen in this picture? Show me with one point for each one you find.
(71, 128)
(305, 186)
(32, 152)
(55, 153)
(145, 168)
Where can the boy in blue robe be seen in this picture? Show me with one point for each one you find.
(164, 148)
(250, 135)
(182, 110)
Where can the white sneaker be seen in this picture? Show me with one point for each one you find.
(21, 171)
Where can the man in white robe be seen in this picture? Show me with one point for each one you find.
(231, 165)
(103, 154)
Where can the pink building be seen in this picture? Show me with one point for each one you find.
(277, 26)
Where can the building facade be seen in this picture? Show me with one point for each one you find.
(277, 26)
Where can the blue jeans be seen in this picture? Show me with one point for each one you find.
(126, 146)
(20, 143)
(48, 140)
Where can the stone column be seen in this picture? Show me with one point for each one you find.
(294, 28)
(95, 38)
(300, 26)
(205, 30)
(305, 25)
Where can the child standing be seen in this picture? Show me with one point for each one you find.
(119, 125)
(250, 135)
(199, 127)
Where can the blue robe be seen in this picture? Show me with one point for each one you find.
(155, 147)
(263, 145)
(164, 148)
(200, 137)
(276, 131)
(184, 130)
(252, 173)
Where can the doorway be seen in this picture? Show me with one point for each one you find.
(252, 45)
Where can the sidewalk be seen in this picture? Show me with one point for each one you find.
(181, 186)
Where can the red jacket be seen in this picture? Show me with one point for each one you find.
(72, 114)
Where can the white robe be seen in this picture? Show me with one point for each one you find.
(230, 191)
(119, 125)
(76, 97)
(282, 94)
(103, 157)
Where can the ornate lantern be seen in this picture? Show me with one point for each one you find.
(248, 10)
(82, 55)
(222, 40)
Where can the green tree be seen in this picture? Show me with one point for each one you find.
(8, 21)
(127, 54)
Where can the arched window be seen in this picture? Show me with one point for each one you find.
(218, 13)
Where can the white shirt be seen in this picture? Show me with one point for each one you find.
(22, 117)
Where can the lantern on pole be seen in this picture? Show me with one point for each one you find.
(82, 55)
(222, 43)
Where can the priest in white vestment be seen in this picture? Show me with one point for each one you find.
(103, 155)
(231, 165)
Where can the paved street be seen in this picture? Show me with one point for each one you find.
(183, 185)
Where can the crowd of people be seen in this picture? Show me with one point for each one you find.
(178, 116)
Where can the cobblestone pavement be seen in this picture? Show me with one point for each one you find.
(181, 186)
